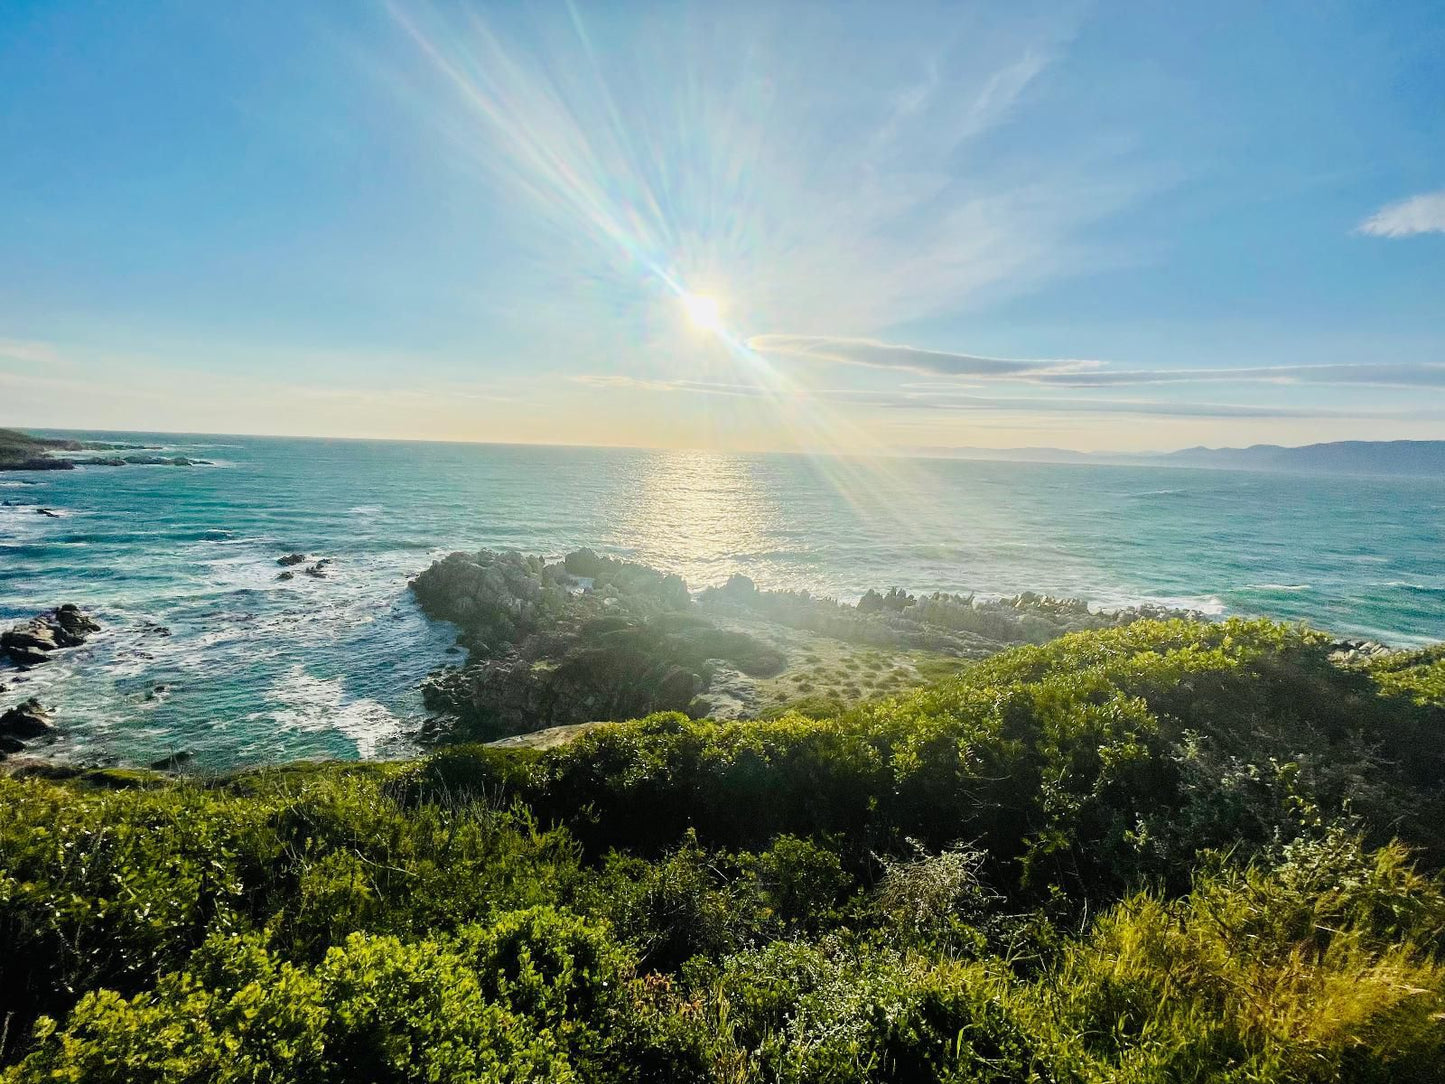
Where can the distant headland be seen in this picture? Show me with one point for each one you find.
(21, 451)
(1383, 457)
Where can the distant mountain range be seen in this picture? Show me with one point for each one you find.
(1385, 457)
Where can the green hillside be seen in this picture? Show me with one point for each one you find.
(1165, 852)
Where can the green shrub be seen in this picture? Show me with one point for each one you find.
(1191, 852)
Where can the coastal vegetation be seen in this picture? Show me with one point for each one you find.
(1165, 850)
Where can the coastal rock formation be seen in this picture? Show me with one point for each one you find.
(556, 644)
(291, 559)
(21, 451)
(32, 642)
(593, 638)
(29, 719)
(964, 626)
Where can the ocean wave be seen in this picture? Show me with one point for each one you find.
(1276, 587)
(1422, 588)
(309, 703)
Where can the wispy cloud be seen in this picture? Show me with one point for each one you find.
(1383, 374)
(1081, 373)
(949, 398)
(1424, 213)
(881, 355)
(797, 196)
(28, 351)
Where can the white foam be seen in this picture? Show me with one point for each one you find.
(305, 702)
(1276, 587)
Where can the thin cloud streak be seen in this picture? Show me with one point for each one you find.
(1081, 373)
(881, 355)
(948, 401)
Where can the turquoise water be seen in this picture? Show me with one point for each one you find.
(258, 669)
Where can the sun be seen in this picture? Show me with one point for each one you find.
(703, 311)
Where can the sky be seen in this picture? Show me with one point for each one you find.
(886, 227)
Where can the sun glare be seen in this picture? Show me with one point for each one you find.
(703, 311)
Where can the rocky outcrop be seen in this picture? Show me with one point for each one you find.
(21, 451)
(33, 642)
(291, 559)
(555, 644)
(25, 721)
(593, 638)
(1357, 651)
(961, 625)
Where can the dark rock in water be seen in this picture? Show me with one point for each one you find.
(173, 763)
(31, 642)
(26, 720)
(157, 691)
(10, 745)
(291, 559)
(158, 461)
(318, 570)
(39, 462)
(47, 512)
(286, 575)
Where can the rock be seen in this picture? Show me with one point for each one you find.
(584, 563)
(22, 655)
(31, 642)
(76, 624)
(26, 720)
(318, 570)
(47, 512)
(738, 584)
(286, 575)
(10, 745)
(1353, 651)
(39, 462)
(291, 559)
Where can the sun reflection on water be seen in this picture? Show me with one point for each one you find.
(700, 514)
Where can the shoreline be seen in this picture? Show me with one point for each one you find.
(608, 640)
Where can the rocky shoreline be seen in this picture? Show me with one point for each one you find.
(27, 645)
(554, 647)
(589, 638)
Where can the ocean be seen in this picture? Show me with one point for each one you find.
(205, 650)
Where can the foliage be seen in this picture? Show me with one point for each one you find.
(1165, 851)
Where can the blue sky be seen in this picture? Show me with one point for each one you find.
(1101, 226)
